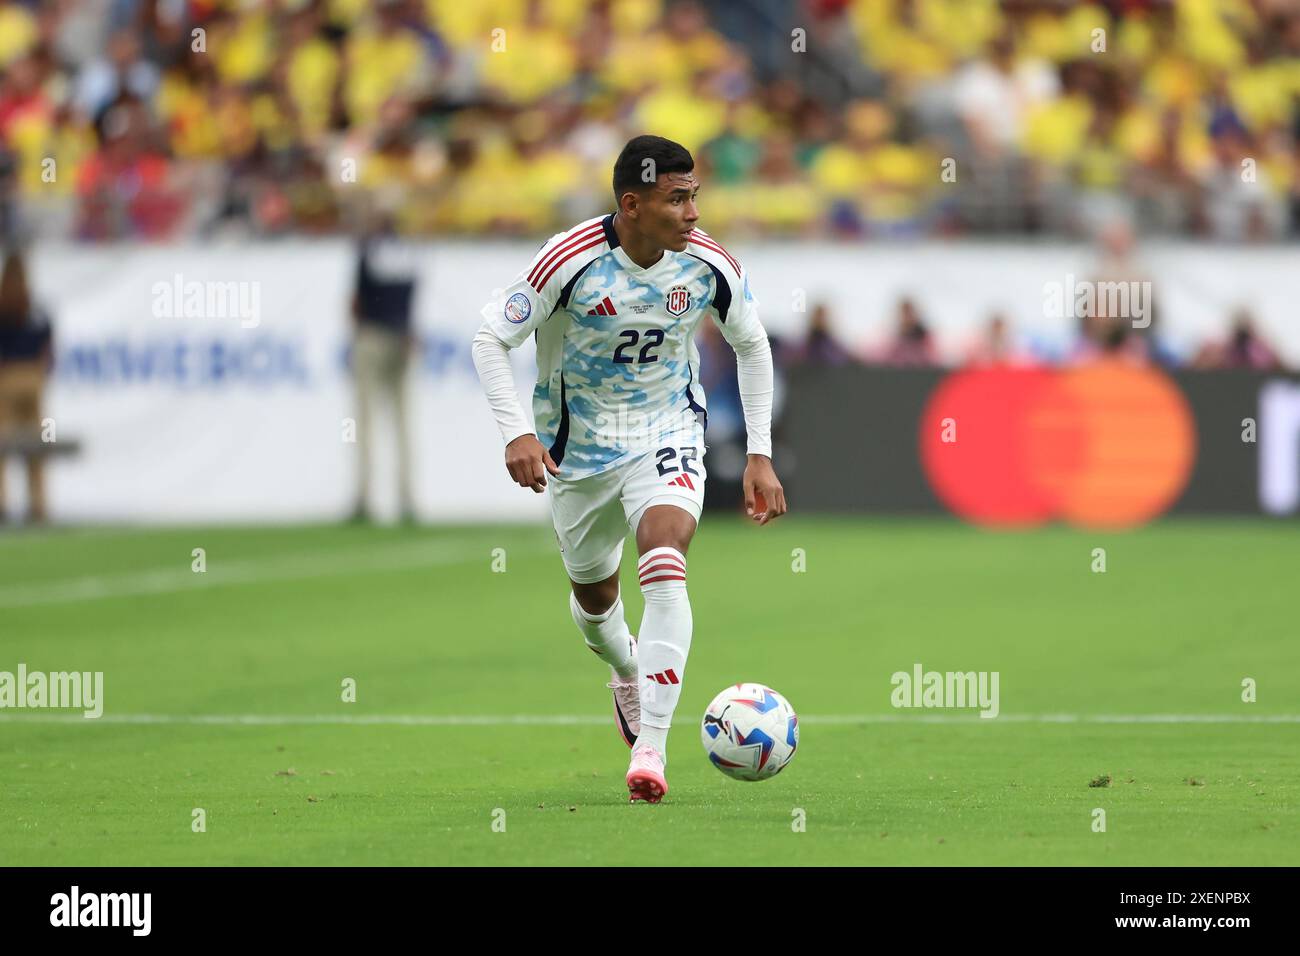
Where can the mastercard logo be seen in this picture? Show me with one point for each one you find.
(1108, 445)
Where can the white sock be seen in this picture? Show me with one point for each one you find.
(656, 737)
(607, 635)
(664, 642)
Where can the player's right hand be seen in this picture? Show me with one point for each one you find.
(528, 462)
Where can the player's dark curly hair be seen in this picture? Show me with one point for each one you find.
(668, 157)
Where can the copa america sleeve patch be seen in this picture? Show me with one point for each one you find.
(518, 308)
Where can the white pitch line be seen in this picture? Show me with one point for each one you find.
(1054, 719)
(285, 567)
(516, 720)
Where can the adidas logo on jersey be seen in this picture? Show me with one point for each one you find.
(683, 481)
(605, 308)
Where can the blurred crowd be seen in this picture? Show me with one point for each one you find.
(910, 343)
(1132, 333)
(158, 119)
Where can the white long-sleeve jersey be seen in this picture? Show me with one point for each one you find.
(616, 358)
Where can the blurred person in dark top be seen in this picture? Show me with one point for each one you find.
(819, 345)
(25, 359)
(1152, 342)
(912, 344)
(1244, 348)
(995, 347)
(10, 211)
(382, 343)
(1104, 337)
(1124, 322)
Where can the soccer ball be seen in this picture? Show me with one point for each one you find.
(750, 732)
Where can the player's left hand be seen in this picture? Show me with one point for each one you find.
(764, 496)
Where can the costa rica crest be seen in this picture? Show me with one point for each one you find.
(678, 301)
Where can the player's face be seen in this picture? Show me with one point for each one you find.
(671, 213)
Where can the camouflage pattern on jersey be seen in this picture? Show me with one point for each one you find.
(618, 370)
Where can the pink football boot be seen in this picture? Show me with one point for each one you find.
(645, 776)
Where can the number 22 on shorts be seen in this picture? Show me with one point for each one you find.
(688, 455)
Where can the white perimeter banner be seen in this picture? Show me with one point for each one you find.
(231, 407)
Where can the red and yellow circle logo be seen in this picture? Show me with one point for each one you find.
(1108, 445)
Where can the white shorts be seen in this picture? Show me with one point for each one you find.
(593, 515)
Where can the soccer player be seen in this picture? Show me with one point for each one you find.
(613, 304)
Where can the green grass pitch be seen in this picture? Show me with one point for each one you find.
(420, 620)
